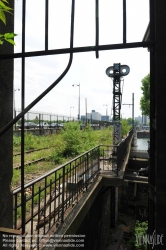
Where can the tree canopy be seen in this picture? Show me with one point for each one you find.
(145, 99)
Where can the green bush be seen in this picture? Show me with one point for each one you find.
(58, 152)
(140, 232)
(72, 137)
(31, 141)
(125, 127)
(16, 141)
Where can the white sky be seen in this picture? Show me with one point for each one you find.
(96, 86)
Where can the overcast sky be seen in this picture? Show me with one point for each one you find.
(95, 85)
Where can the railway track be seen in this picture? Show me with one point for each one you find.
(31, 158)
(32, 162)
(32, 150)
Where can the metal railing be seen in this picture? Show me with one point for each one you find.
(48, 197)
(122, 149)
(113, 155)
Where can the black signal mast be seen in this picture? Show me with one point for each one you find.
(116, 72)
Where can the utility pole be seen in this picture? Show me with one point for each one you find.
(78, 100)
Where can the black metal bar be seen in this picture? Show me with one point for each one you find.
(50, 188)
(79, 49)
(124, 21)
(97, 27)
(38, 229)
(45, 195)
(46, 25)
(63, 196)
(32, 207)
(59, 188)
(23, 210)
(55, 194)
(15, 218)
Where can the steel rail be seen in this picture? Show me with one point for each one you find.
(33, 150)
(32, 162)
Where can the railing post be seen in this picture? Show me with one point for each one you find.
(98, 157)
(63, 193)
(86, 171)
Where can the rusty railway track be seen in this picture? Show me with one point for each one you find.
(32, 150)
(31, 162)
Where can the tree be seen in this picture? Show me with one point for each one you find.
(4, 8)
(145, 99)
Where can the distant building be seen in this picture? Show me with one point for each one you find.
(92, 116)
(139, 118)
(105, 118)
(95, 116)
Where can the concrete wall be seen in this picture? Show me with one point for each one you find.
(96, 224)
(134, 200)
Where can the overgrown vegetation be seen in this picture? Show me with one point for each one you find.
(73, 141)
(70, 142)
(61, 147)
(139, 239)
(126, 126)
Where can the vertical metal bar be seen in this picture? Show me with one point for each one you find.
(32, 207)
(152, 179)
(63, 193)
(22, 121)
(59, 188)
(45, 195)
(67, 176)
(15, 220)
(87, 171)
(46, 25)
(15, 211)
(124, 21)
(50, 204)
(97, 27)
(54, 194)
(133, 110)
(71, 177)
(38, 235)
(117, 161)
(75, 171)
